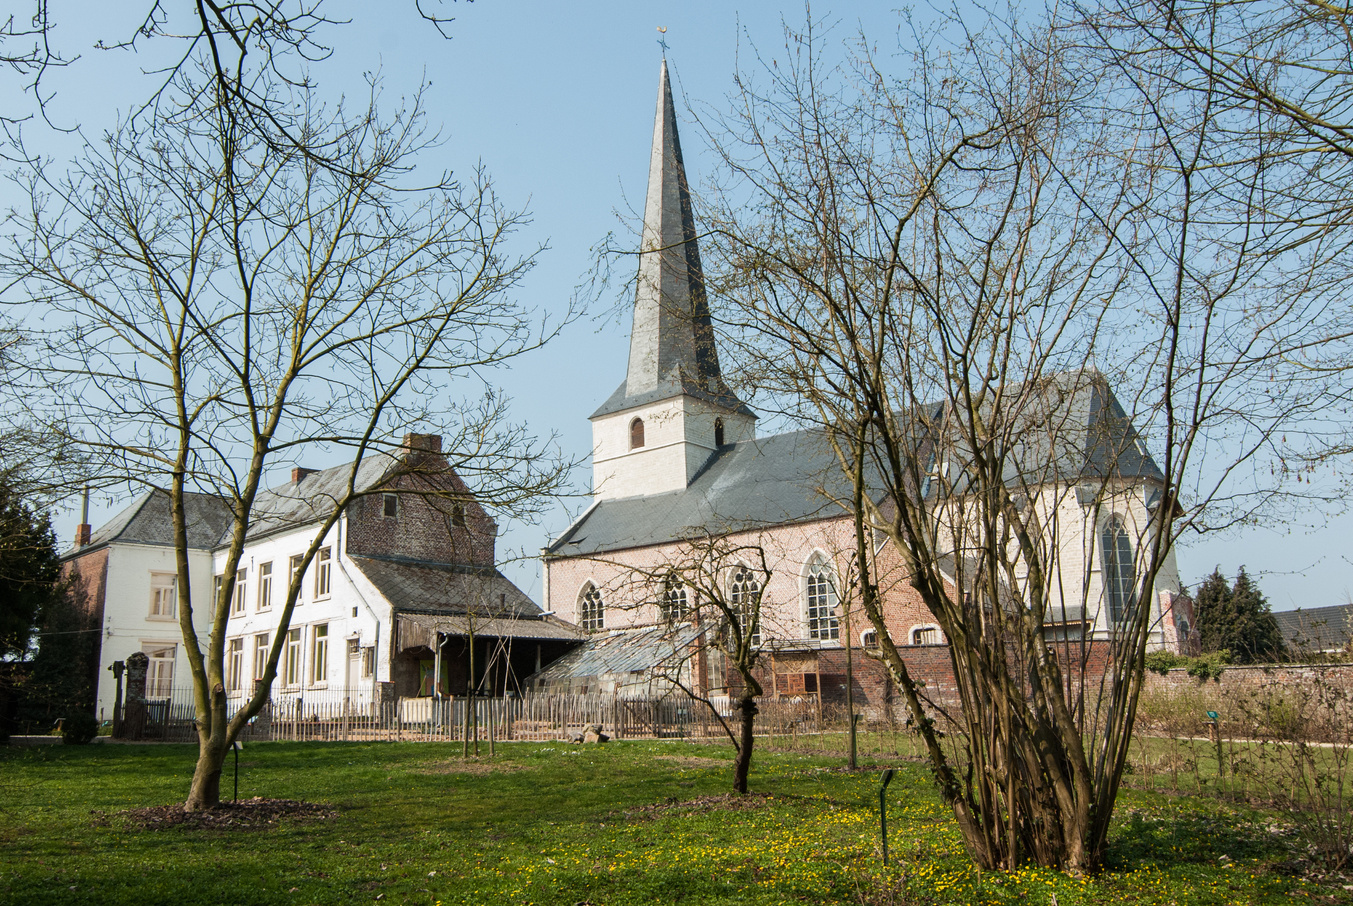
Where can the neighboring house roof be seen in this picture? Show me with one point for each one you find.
(147, 521)
(457, 600)
(1317, 629)
(298, 503)
(623, 653)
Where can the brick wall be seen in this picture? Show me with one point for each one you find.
(428, 525)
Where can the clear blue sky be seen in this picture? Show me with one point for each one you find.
(557, 100)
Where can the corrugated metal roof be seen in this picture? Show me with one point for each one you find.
(623, 651)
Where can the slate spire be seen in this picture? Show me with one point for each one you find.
(672, 348)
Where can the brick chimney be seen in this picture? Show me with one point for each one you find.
(423, 443)
(82, 534)
(300, 472)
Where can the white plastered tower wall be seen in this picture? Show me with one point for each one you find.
(679, 438)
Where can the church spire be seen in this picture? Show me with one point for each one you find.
(672, 350)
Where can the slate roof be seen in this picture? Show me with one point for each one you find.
(297, 503)
(1071, 429)
(1317, 629)
(425, 587)
(622, 652)
(672, 349)
(147, 521)
(778, 480)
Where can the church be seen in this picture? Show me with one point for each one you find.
(681, 477)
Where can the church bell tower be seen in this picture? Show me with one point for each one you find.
(673, 411)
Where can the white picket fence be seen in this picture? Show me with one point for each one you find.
(333, 715)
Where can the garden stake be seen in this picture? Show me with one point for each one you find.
(237, 745)
(886, 779)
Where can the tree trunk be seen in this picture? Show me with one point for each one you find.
(206, 788)
(747, 705)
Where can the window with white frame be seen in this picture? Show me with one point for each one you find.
(744, 596)
(820, 601)
(1119, 581)
(319, 654)
(869, 639)
(163, 601)
(368, 661)
(234, 665)
(591, 609)
(291, 662)
(675, 605)
(322, 574)
(260, 655)
(265, 586)
(925, 635)
(160, 671)
(241, 582)
(296, 561)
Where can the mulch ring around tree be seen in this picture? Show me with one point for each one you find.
(728, 802)
(247, 814)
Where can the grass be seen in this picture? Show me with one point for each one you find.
(554, 823)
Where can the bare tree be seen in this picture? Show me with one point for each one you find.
(220, 290)
(996, 289)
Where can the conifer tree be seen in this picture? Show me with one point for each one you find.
(1236, 618)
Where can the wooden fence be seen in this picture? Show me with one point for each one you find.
(333, 716)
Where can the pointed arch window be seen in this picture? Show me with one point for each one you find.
(675, 605)
(820, 601)
(744, 596)
(1119, 579)
(591, 609)
(636, 434)
(718, 432)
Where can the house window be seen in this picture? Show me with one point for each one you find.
(296, 562)
(260, 655)
(160, 672)
(235, 665)
(674, 605)
(820, 594)
(744, 596)
(322, 574)
(636, 434)
(925, 635)
(590, 609)
(265, 586)
(291, 667)
(216, 583)
(869, 639)
(457, 515)
(368, 662)
(718, 432)
(163, 601)
(241, 578)
(1118, 578)
(319, 654)
(391, 502)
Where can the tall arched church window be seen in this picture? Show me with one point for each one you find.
(636, 434)
(590, 609)
(674, 604)
(718, 432)
(820, 601)
(744, 596)
(1119, 581)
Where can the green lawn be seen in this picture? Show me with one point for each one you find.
(555, 823)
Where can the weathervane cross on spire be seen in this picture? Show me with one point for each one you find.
(662, 42)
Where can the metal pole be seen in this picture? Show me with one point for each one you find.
(236, 746)
(886, 779)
